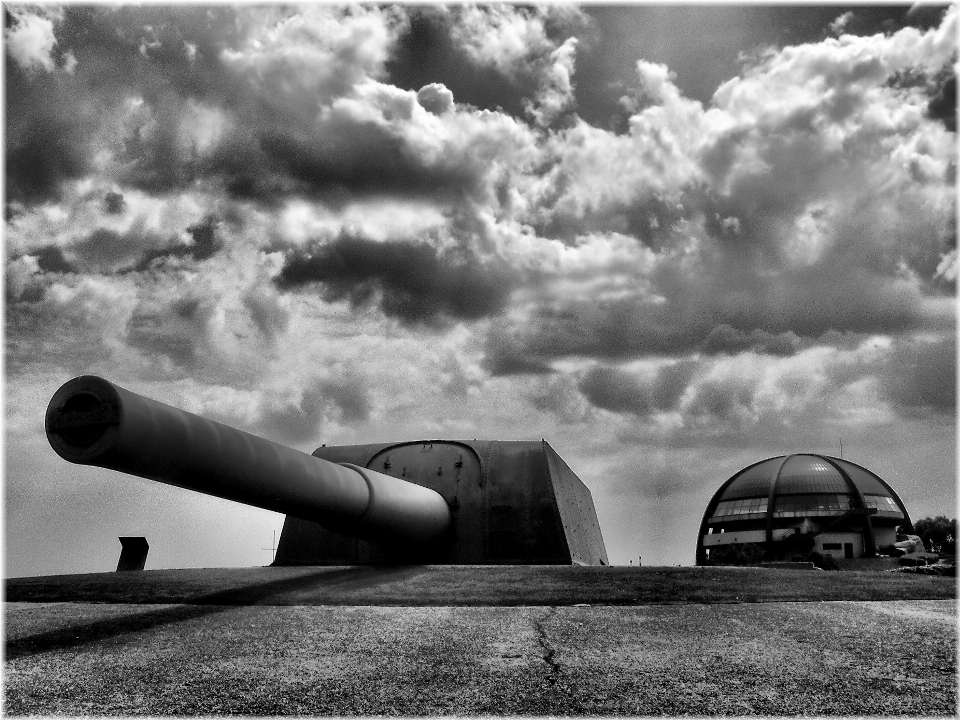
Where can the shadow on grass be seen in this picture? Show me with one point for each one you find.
(200, 606)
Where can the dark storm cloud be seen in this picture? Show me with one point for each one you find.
(205, 240)
(723, 310)
(44, 145)
(915, 375)
(616, 390)
(505, 366)
(625, 392)
(646, 217)
(21, 292)
(341, 161)
(410, 281)
(51, 259)
(350, 397)
(611, 330)
(921, 376)
(559, 395)
(705, 44)
(671, 382)
(267, 313)
(429, 53)
(726, 339)
(176, 330)
(63, 320)
(814, 301)
(162, 54)
(173, 62)
(155, 162)
(170, 58)
(135, 249)
(344, 399)
(723, 403)
(113, 203)
(943, 105)
(109, 250)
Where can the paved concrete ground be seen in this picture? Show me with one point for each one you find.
(777, 658)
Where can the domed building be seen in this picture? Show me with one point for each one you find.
(787, 506)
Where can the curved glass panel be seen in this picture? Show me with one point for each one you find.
(864, 480)
(883, 504)
(807, 486)
(733, 509)
(808, 474)
(752, 482)
(810, 505)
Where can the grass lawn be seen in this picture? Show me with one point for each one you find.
(490, 585)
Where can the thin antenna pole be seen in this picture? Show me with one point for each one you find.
(841, 448)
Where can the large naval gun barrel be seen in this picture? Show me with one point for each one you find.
(473, 502)
(91, 421)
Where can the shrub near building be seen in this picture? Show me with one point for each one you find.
(939, 534)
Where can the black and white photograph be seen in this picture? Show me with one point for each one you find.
(455, 359)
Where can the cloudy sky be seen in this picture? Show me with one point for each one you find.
(672, 241)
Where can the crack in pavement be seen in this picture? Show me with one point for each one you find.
(548, 653)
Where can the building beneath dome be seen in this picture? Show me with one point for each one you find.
(785, 507)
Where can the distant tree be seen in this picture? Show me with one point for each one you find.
(939, 534)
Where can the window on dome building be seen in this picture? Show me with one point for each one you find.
(747, 506)
(804, 505)
(881, 503)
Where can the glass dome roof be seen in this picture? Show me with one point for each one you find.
(802, 474)
(803, 484)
